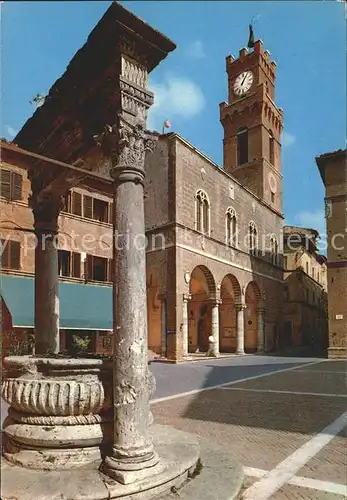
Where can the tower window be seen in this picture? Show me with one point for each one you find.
(202, 212)
(271, 148)
(253, 236)
(231, 227)
(242, 146)
(274, 250)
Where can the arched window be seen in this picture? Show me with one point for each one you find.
(242, 146)
(271, 148)
(253, 237)
(274, 250)
(231, 227)
(202, 212)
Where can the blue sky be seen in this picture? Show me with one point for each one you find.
(306, 39)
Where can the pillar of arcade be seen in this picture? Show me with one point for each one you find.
(46, 209)
(125, 142)
(240, 338)
(133, 454)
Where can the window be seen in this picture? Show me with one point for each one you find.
(69, 264)
(272, 197)
(285, 262)
(98, 268)
(318, 276)
(202, 212)
(274, 250)
(306, 267)
(252, 234)
(242, 146)
(10, 254)
(313, 272)
(231, 227)
(88, 207)
(100, 210)
(76, 203)
(11, 185)
(271, 148)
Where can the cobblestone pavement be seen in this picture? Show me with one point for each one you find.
(273, 422)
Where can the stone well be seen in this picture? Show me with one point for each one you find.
(61, 411)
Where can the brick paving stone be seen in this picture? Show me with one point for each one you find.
(329, 366)
(318, 382)
(261, 430)
(290, 492)
(330, 463)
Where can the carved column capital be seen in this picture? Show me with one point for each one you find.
(186, 297)
(127, 145)
(46, 208)
(241, 306)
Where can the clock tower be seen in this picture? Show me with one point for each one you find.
(252, 124)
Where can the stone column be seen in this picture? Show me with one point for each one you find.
(261, 329)
(215, 328)
(133, 456)
(163, 324)
(46, 211)
(185, 334)
(240, 347)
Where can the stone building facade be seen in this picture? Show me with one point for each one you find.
(333, 170)
(304, 291)
(214, 235)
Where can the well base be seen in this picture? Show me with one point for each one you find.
(179, 455)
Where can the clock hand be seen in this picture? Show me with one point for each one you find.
(244, 78)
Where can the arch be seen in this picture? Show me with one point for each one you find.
(231, 227)
(252, 237)
(253, 301)
(202, 288)
(230, 297)
(271, 148)
(274, 249)
(202, 212)
(153, 310)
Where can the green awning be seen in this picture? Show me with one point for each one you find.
(85, 307)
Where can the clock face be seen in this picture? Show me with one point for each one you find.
(243, 83)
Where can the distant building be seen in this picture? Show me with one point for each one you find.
(305, 290)
(333, 170)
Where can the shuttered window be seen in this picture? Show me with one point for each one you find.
(76, 265)
(11, 185)
(76, 203)
(88, 207)
(10, 254)
(69, 264)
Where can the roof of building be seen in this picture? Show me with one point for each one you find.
(302, 231)
(327, 158)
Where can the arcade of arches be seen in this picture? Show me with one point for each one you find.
(234, 317)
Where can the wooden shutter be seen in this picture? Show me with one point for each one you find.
(68, 203)
(87, 207)
(14, 254)
(5, 182)
(76, 204)
(110, 213)
(16, 186)
(90, 274)
(76, 265)
(5, 253)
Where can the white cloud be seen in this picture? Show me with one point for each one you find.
(174, 98)
(287, 139)
(196, 50)
(11, 131)
(313, 220)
